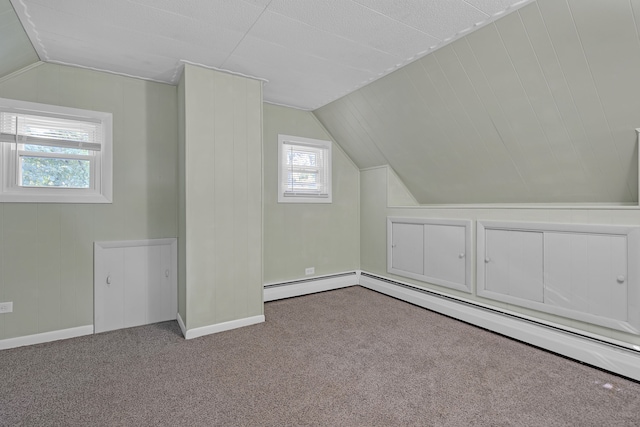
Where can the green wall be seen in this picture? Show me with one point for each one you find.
(377, 188)
(16, 49)
(301, 235)
(46, 250)
(221, 197)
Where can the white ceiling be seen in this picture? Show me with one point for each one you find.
(311, 52)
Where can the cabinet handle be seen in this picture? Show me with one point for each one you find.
(621, 278)
(487, 260)
(461, 255)
(166, 273)
(393, 246)
(108, 280)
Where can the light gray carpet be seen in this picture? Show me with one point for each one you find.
(350, 357)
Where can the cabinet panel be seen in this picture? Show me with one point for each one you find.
(430, 250)
(109, 290)
(135, 283)
(408, 247)
(513, 264)
(445, 252)
(579, 271)
(587, 273)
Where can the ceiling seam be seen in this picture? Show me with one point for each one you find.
(566, 82)
(396, 20)
(448, 135)
(493, 123)
(460, 34)
(555, 101)
(595, 87)
(246, 33)
(33, 29)
(466, 113)
(529, 103)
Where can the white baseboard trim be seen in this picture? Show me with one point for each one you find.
(603, 355)
(183, 328)
(221, 327)
(276, 291)
(62, 334)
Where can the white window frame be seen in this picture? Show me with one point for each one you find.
(285, 196)
(101, 166)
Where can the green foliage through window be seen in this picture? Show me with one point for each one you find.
(55, 172)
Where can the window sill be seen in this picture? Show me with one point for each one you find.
(58, 197)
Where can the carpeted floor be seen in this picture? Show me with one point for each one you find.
(349, 357)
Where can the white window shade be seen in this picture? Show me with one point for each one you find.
(304, 170)
(50, 131)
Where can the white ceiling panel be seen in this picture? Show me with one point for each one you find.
(433, 17)
(358, 23)
(492, 7)
(303, 38)
(232, 14)
(311, 52)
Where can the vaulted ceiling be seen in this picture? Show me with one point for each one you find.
(311, 51)
(469, 101)
(539, 107)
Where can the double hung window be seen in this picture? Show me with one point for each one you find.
(54, 154)
(304, 170)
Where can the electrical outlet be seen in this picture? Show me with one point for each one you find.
(6, 307)
(309, 271)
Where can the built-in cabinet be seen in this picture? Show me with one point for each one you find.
(578, 271)
(584, 272)
(431, 250)
(135, 283)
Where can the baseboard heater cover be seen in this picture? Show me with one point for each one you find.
(610, 356)
(294, 288)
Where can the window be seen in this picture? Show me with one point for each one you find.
(304, 170)
(54, 154)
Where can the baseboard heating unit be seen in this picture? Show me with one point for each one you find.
(276, 291)
(617, 357)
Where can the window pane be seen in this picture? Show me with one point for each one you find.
(303, 181)
(302, 158)
(52, 172)
(51, 149)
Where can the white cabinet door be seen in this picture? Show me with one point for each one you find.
(408, 247)
(445, 253)
(587, 273)
(135, 283)
(109, 290)
(513, 264)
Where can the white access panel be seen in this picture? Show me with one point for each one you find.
(587, 273)
(590, 272)
(430, 250)
(135, 283)
(407, 247)
(513, 264)
(445, 252)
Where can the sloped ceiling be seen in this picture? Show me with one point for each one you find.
(16, 51)
(311, 51)
(539, 107)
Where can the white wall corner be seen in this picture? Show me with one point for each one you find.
(183, 328)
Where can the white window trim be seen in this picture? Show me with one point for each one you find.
(288, 139)
(102, 166)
